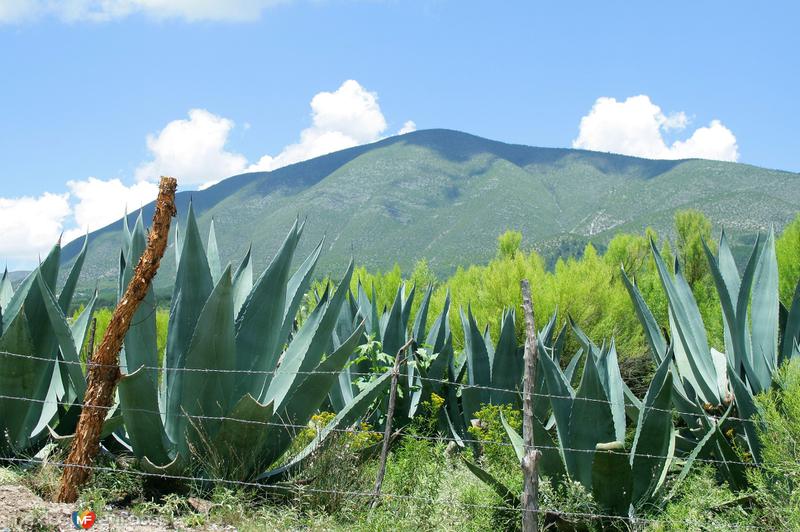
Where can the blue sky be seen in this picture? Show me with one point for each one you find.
(82, 88)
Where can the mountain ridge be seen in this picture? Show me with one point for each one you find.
(445, 196)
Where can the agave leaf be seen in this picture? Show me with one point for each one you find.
(421, 319)
(175, 467)
(141, 344)
(590, 422)
(192, 288)
(299, 284)
(20, 377)
(178, 243)
(368, 310)
(6, 290)
(258, 326)
(507, 369)
(612, 480)
(701, 446)
(309, 395)
(658, 346)
(764, 312)
(747, 409)
(67, 344)
(393, 333)
(212, 252)
(610, 378)
(407, 304)
(561, 399)
(65, 298)
(438, 368)
(242, 435)
(80, 327)
(477, 356)
(242, 281)
(209, 393)
(308, 346)
(690, 343)
(741, 332)
(654, 436)
(138, 398)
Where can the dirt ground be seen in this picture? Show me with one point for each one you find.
(23, 510)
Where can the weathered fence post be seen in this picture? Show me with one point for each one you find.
(103, 370)
(530, 491)
(387, 433)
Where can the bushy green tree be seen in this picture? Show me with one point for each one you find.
(692, 228)
(508, 244)
(787, 248)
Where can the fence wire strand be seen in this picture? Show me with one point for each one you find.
(352, 373)
(299, 489)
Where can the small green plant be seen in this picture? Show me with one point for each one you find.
(487, 428)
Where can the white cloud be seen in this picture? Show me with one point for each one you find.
(30, 226)
(347, 117)
(408, 127)
(192, 150)
(636, 126)
(12, 11)
(99, 203)
(195, 151)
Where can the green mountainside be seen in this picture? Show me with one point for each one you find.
(445, 196)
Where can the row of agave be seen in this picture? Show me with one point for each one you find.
(236, 384)
(238, 378)
(581, 424)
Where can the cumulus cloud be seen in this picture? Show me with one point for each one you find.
(636, 127)
(30, 226)
(346, 117)
(408, 127)
(13, 11)
(193, 150)
(97, 203)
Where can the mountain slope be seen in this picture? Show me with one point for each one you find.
(446, 195)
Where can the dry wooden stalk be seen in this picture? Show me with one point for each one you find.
(387, 433)
(103, 372)
(530, 491)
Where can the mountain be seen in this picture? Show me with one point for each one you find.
(446, 195)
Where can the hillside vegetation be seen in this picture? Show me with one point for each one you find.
(444, 196)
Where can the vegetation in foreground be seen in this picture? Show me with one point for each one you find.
(435, 491)
(597, 472)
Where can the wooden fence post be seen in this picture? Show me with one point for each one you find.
(387, 433)
(103, 370)
(530, 461)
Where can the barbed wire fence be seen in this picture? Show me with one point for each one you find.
(289, 488)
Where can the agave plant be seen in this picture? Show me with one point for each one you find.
(759, 336)
(233, 390)
(590, 422)
(42, 392)
(422, 375)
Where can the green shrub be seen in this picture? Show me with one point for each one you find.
(776, 485)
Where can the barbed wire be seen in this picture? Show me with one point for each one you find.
(119, 408)
(299, 489)
(372, 374)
